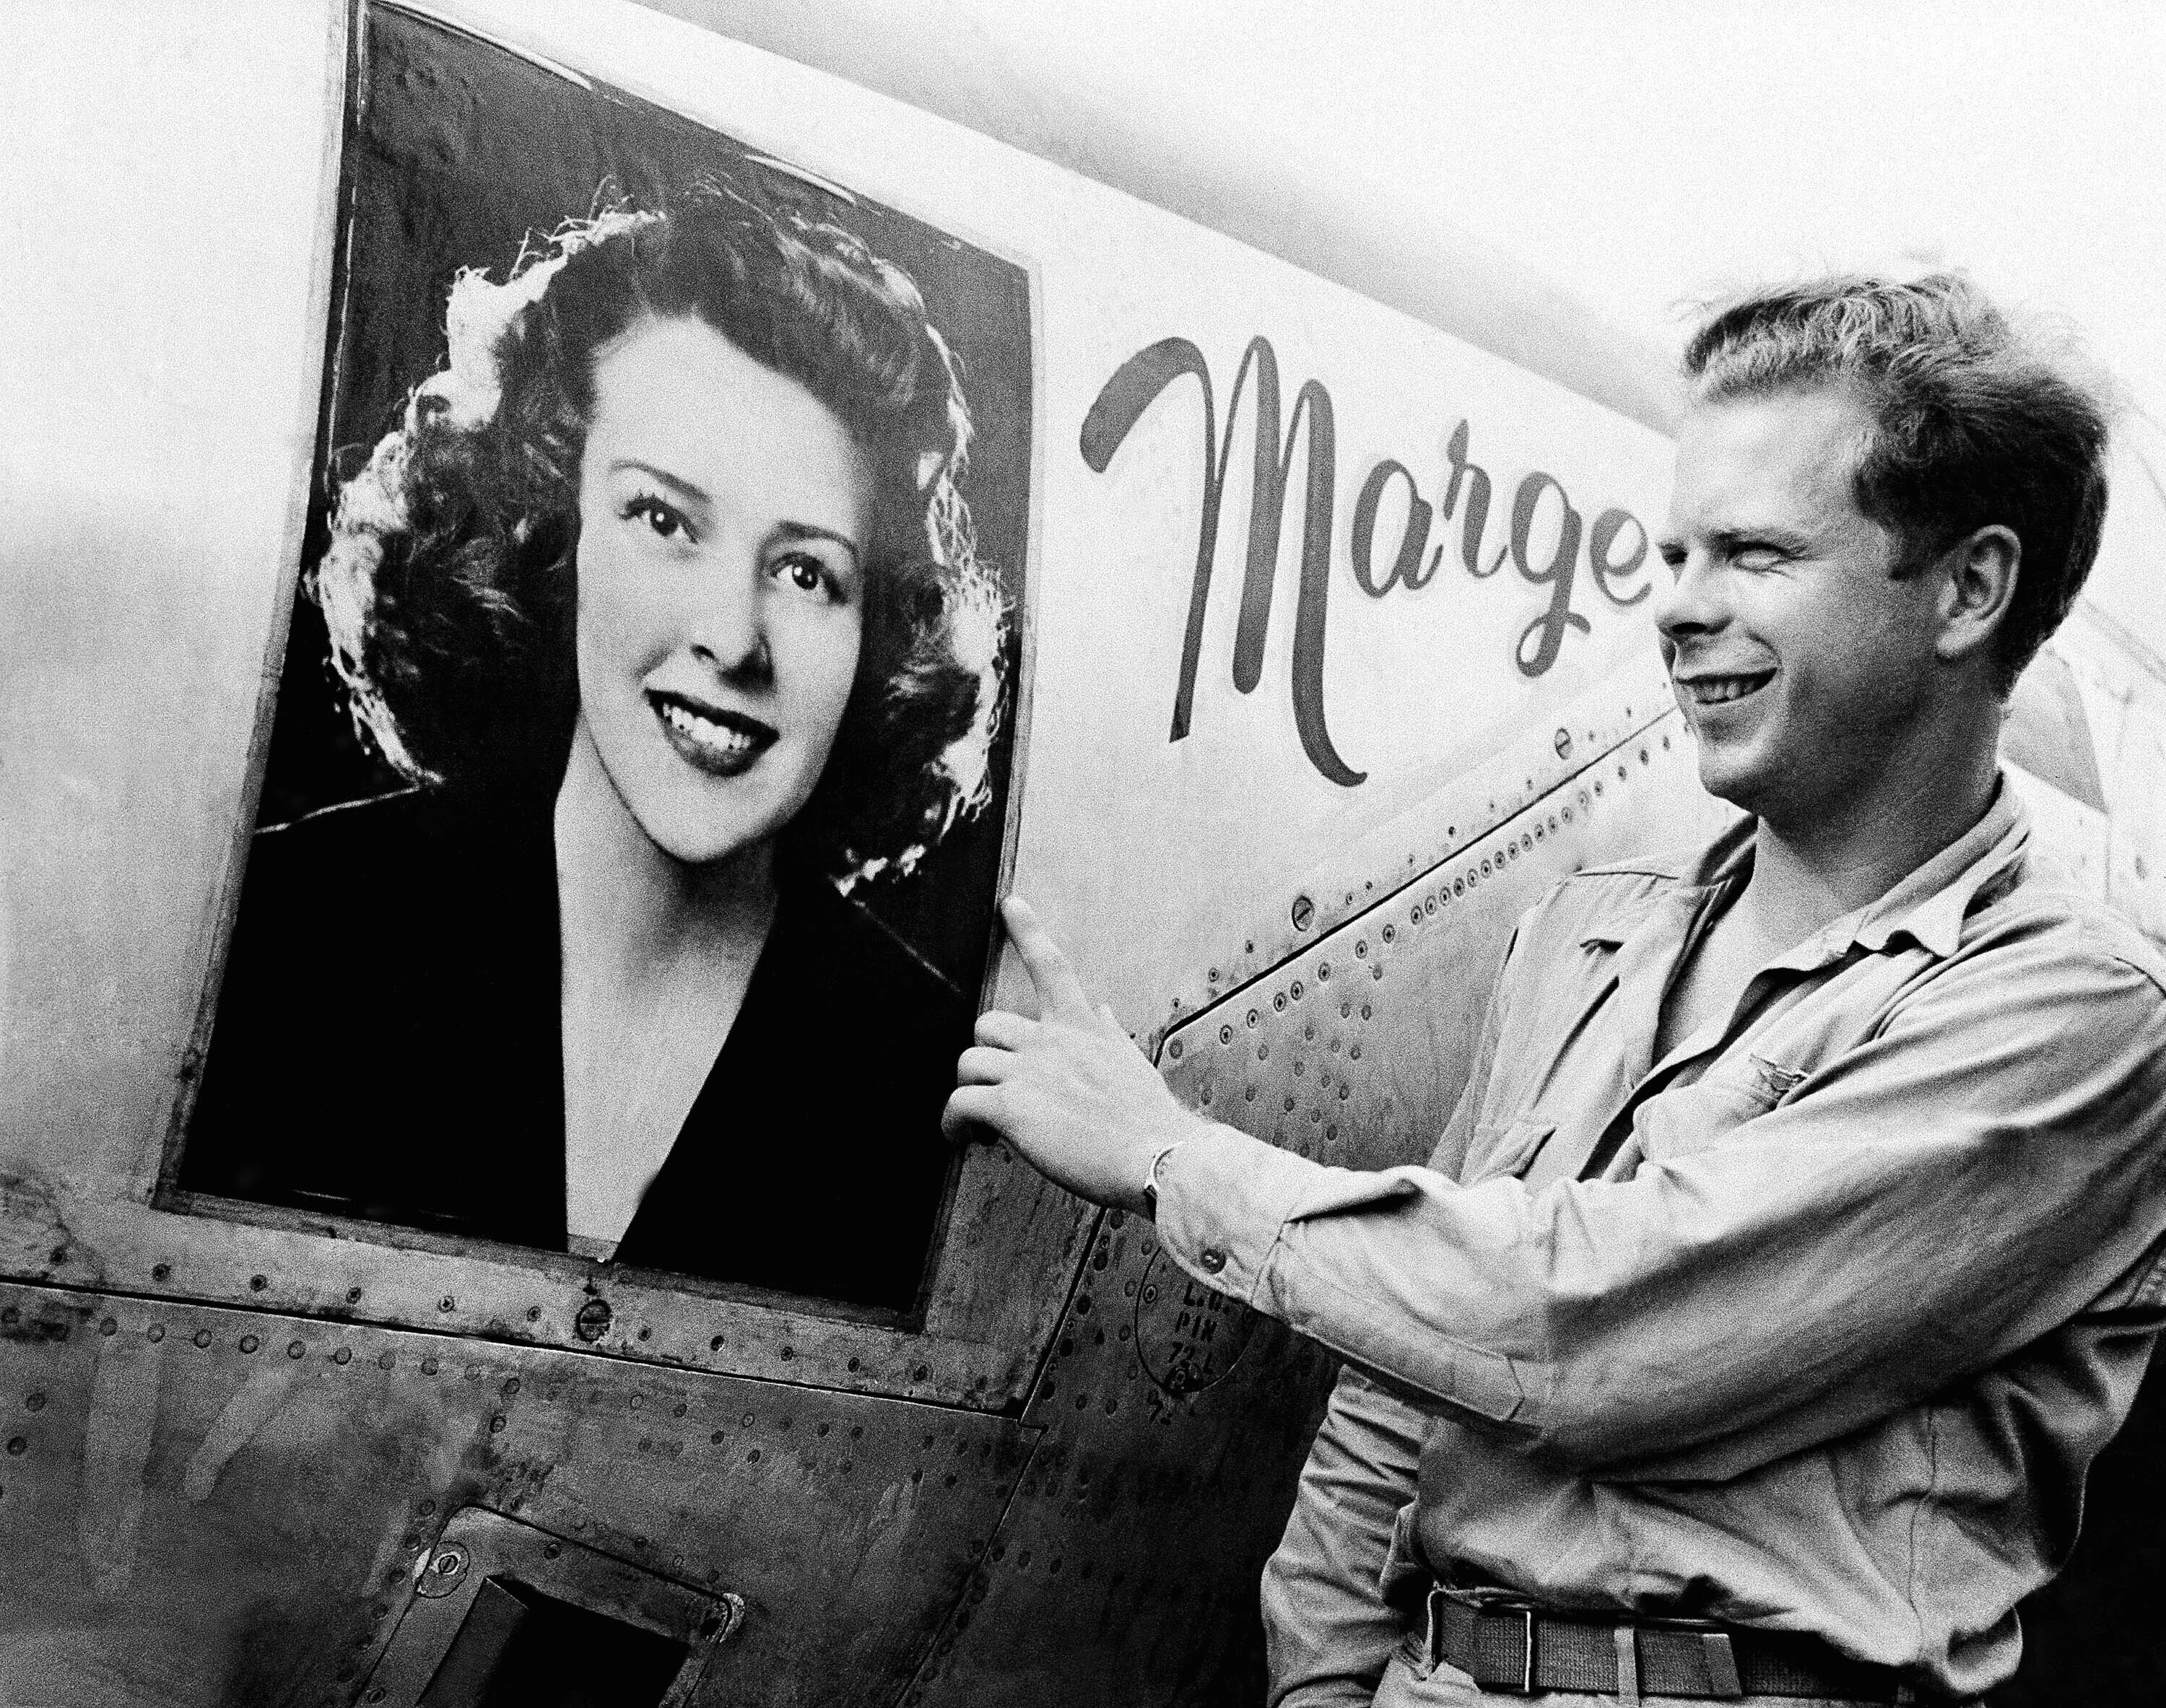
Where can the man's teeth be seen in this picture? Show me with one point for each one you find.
(1712, 690)
(705, 730)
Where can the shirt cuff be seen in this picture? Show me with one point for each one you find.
(1221, 1200)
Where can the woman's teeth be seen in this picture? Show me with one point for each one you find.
(706, 731)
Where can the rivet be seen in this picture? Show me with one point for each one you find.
(249, 1343)
(1361, 947)
(385, 1360)
(353, 1295)
(35, 1402)
(1323, 971)
(18, 1446)
(496, 1424)
(295, 1349)
(1263, 1052)
(920, 1373)
(592, 1321)
(1296, 992)
(1174, 1049)
(1253, 1018)
(445, 1303)
(716, 1346)
(1278, 1002)
(1225, 1035)
(788, 1352)
(203, 1336)
(257, 1283)
(109, 1327)
(160, 1271)
(428, 1366)
(154, 1333)
(1391, 934)
(534, 1313)
(648, 1334)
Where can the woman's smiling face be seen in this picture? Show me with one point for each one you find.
(724, 518)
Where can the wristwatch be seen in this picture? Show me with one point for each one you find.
(1150, 1177)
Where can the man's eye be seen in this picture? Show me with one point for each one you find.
(662, 519)
(1755, 557)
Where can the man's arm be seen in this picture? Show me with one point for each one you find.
(1970, 1179)
(1910, 1216)
(1327, 1632)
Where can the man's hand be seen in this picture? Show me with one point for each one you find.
(1069, 1089)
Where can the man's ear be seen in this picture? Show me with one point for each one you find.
(1977, 584)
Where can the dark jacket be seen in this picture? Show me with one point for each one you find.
(388, 1046)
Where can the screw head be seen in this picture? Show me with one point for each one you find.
(1304, 913)
(592, 1321)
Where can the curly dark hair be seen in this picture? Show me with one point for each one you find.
(448, 587)
(1973, 424)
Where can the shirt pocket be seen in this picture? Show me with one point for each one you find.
(1505, 1147)
(1674, 1124)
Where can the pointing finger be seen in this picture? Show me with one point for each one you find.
(1059, 991)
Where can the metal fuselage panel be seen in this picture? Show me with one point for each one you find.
(209, 1505)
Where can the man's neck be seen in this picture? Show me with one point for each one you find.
(1814, 868)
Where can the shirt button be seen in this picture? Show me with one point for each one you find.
(1213, 1259)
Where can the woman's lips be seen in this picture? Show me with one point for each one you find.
(712, 738)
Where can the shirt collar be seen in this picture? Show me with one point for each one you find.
(1929, 905)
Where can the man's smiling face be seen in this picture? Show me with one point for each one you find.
(1801, 662)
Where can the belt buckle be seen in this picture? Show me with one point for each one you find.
(1502, 1601)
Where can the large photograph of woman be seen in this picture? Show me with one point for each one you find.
(662, 598)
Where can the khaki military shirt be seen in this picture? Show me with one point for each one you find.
(1813, 1324)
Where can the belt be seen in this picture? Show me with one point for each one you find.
(1504, 1643)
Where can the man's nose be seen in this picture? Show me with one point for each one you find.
(1692, 602)
(729, 617)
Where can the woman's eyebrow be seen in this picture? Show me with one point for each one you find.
(676, 483)
(806, 530)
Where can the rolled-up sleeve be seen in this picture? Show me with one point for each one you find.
(1982, 1168)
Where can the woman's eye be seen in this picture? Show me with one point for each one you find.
(662, 519)
(805, 573)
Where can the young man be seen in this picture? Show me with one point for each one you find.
(1798, 1240)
